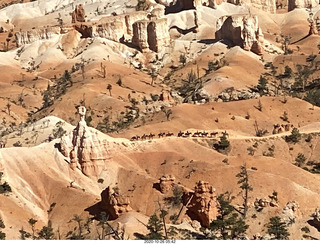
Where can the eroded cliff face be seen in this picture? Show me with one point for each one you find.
(175, 6)
(292, 4)
(114, 31)
(83, 148)
(29, 36)
(147, 31)
(265, 5)
(151, 35)
(241, 30)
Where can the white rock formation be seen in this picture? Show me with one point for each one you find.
(241, 30)
(82, 146)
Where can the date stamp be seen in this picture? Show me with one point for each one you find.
(160, 241)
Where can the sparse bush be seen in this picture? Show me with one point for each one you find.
(52, 205)
(213, 66)
(191, 87)
(119, 82)
(46, 232)
(294, 137)
(154, 97)
(270, 152)
(309, 138)
(259, 107)
(300, 160)
(5, 188)
(305, 229)
(58, 130)
(183, 59)
(250, 151)
(259, 132)
(284, 117)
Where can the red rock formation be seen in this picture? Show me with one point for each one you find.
(85, 30)
(114, 203)
(78, 15)
(203, 204)
(166, 183)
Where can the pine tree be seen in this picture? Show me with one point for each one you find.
(262, 85)
(46, 232)
(103, 222)
(277, 229)
(228, 225)
(294, 137)
(245, 187)
(32, 222)
(224, 143)
(155, 228)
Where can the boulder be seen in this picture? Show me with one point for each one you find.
(290, 212)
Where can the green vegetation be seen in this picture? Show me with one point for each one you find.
(4, 187)
(190, 88)
(58, 130)
(176, 199)
(57, 90)
(262, 86)
(294, 137)
(2, 226)
(223, 146)
(155, 228)
(245, 187)
(300, 160)
(228, 225)
(277, 229)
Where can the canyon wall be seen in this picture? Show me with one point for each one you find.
(26, 37)
(241, 30)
